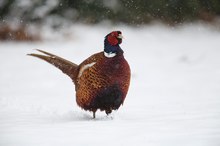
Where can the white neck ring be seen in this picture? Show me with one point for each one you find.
(109, 55)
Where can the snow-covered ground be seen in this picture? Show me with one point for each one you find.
(174, 97)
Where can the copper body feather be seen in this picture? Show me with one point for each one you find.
(100, 82)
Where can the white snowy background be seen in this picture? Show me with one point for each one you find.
(174, 97)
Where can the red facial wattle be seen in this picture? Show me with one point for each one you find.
(112, 38)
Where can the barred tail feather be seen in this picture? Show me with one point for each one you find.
(64, 65)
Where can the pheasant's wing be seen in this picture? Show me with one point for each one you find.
(64, 65)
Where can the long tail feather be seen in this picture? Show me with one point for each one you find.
(64, 65)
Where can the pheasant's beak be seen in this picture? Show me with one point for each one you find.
(120, 36)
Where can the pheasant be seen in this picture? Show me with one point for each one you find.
(102, 80)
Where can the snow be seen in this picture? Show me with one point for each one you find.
(173, 98)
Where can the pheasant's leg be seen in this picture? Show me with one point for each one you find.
(108, 111)
(94, 114)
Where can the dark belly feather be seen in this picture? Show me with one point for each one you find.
(107, 99)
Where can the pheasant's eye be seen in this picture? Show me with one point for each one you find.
(119, 32)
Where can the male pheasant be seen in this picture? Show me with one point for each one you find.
(102, 80)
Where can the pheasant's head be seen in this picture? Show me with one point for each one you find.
(111, 43)
(114, 38)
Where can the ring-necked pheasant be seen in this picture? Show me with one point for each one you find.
(102, 80)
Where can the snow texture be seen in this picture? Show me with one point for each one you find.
(174, 97)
